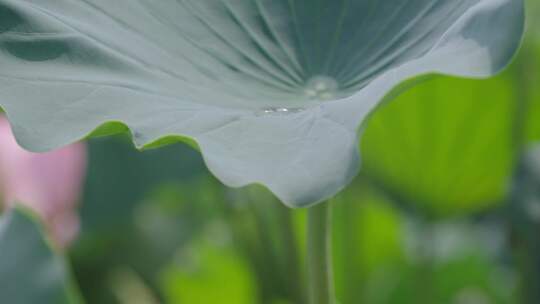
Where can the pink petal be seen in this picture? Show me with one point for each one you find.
(49, 183)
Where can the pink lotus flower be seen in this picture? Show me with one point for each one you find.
(49, 183)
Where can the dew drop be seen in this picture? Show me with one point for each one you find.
(279, 111)
(317, 88)
(137, 134)
(321, 88)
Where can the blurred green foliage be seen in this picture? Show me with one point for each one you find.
(208, 273)
(447, 155)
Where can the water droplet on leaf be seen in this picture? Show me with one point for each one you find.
(321, 88)
(279, 111)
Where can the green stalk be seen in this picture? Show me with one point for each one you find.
(319, 260)
(425, 271)
(291, 255)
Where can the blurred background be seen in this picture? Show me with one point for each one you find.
(445, 210)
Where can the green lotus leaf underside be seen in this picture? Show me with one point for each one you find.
(271, 91)
(30, 270)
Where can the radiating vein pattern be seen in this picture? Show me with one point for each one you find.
(254, 53)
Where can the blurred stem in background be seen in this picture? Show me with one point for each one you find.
(292, 258)
(525, 81)
(524, 207)
(319, 260)
(264, 231)
(425, 270)
(524, 218)
(348, 253)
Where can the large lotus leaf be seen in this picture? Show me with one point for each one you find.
(30, 271)
(456, 150)
(272, 91)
